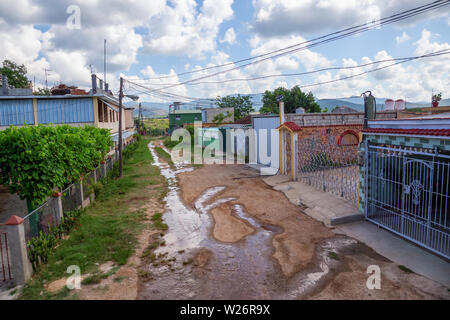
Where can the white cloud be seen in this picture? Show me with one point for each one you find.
(402, 38)
(283, 17)
(182, 30)
(229, 37)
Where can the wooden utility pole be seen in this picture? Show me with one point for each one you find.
(120, 126)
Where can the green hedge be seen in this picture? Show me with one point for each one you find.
(38, 160)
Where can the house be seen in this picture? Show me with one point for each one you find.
(405, 179)
(179, 118)
(97, 108)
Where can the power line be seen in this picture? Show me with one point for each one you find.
(316, 71)
(359, 28)
(401, 60)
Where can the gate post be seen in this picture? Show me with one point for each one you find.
(20, 264)
(294, 156)
(366, 176)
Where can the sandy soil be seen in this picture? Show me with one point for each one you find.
(293, 247)
(315, 262)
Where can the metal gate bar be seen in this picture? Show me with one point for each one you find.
(4, 255)
(407, 192)
(329, 165)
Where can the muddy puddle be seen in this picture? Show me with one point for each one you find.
(191, 264)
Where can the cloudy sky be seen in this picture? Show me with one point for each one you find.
(154, 38)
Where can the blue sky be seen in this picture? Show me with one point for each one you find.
(171, 37)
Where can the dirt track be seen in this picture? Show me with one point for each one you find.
(249, 242)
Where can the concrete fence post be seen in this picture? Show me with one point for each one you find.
(104, 169)
(57, 206)
(82, 193)
(21, 267)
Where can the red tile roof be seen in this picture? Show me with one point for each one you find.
(421, 132)
(291, 125)
(245, 120)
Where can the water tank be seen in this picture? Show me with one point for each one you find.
(389, 104)
(400, 104)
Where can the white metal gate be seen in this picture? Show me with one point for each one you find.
(407, 192)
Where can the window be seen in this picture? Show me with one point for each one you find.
(177, 118)
(105, 113)
(100, 111)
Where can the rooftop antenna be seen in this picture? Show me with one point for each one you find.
(46, 77)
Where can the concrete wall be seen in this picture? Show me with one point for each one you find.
(129, 121)
(212, 112)
(323, 119)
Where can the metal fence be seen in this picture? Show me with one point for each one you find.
(71, 197)
(88, 181)
(407, 192)
(5, 265)
(41, 219)
(45, 216)
(328, 164)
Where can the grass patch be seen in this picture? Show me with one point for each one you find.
(158, 223)
(162, 154)
(108, 230)
(405, 269)
(333, 255)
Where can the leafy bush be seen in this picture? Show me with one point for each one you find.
(41, 247)
(37, 160)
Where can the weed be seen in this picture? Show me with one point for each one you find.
(333, 255)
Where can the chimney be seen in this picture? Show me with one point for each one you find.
(4, 85)
(106, 87)
(101, 84)
(94, 83)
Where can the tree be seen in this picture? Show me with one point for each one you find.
(293, 99)
(242, 105)
(16, 74)
(42, 92)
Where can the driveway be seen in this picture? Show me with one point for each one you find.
(231, 236)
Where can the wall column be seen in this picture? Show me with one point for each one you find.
(294, 155)
(95, 106)
(21, 267)
(35, 112)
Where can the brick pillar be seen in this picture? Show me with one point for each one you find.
(21, 267)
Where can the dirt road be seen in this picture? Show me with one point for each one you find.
(231, 236)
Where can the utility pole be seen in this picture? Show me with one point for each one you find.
(120, 126)
(140, 119)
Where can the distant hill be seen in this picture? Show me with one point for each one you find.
(157, 110)
(150, 109)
